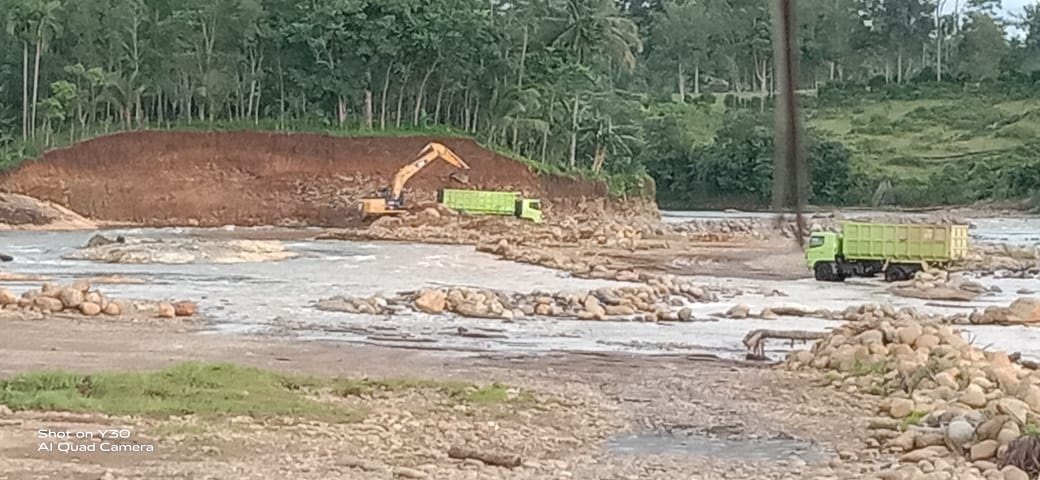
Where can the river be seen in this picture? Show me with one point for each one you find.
(268, 297)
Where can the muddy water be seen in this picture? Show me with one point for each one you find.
(278, 297)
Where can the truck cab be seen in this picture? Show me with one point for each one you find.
(823, 247)
(529, 209)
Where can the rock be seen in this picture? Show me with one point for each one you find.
(973, 396)
(1008, 434)
(685, 314)
(165, 310)
(900, 407)
(1024, 310)
(930, 439)
(768, 314)
(48, 303)
(924, 454)
(871, 336)
(739, 311)
(945, 378)
(904, 442)
(984, 450)
(1017, 409)
(113, 309)
(82, 285)
(989, 429)
(431, 301)
(405, 472)
(927, 341)
(185, 309)
(89, 309)
(984, 465)
(959, 433)
(1032, 397)
(7, 298)
(1014, 473)
(70, 297)
(909, 333)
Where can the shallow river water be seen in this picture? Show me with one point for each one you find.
(259, 297)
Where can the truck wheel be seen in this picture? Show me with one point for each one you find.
(894, 274)
(824, 272)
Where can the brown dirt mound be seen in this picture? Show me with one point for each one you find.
(25, 213)
(259, 178)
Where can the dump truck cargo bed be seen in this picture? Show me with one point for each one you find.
(479, 201)
(904, 242)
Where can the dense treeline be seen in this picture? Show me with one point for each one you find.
(575, 84)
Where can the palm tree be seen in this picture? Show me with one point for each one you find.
(592, 30)
(44, 18)
(19, 25)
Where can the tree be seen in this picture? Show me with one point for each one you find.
(981, 48)
(593, 31)
(679, 37)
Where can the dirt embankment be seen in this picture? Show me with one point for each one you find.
(260, 178)
(26, 213)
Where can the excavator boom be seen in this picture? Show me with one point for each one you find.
(429, 153)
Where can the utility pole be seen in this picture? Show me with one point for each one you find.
(790, 175)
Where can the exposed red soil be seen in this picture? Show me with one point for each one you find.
(259, 178)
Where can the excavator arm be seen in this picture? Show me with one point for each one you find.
(429, 153)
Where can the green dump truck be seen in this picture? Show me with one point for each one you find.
(484, 202)
(900, 251)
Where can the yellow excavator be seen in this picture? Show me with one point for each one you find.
(390, 200)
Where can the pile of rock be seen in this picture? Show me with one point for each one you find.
(1024, 310)
(941, 285)
(648, 303)
(855, 313)
(942, 397)
(756, 228)
(1002, 261)
(79, 298)
(50, 298)
(179, 251)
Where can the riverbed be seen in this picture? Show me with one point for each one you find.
(277, 298)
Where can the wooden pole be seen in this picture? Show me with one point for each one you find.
(790, 178)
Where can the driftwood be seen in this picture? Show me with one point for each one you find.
(489, 458)
(463, 332)
(755, 340)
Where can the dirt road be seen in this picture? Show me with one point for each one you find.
(406, 434)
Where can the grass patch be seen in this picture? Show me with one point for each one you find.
(861, 369)
(912, 420)
(216, 390)
(188, 388)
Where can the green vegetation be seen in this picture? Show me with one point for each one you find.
(860, 369)
(216, 390)
(914, 419)
(906, 101)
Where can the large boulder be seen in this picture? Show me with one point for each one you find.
(71, 297)
(431, 301)
(1024, 310)
(7, 298)
(185, 309)
(89, 309)
(50, 304)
